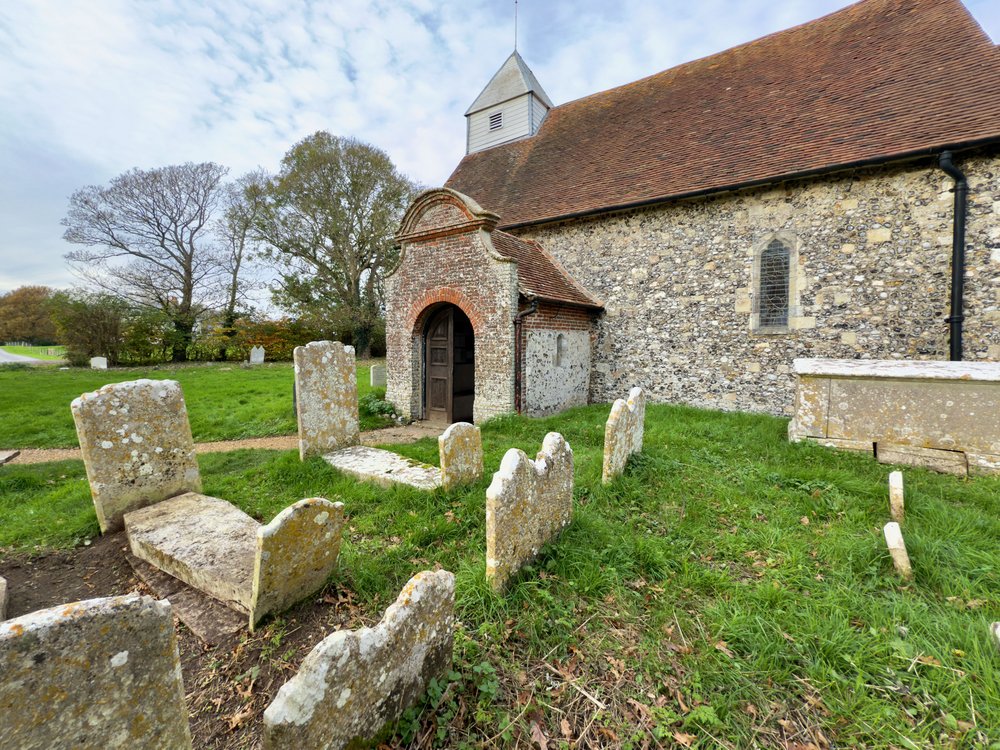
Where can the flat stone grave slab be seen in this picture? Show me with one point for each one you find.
(211, 621)
(206, 542)
(8, 456)
(384, 467)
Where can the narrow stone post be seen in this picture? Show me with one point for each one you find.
(896, 509)
(995, 631)
(897, 548)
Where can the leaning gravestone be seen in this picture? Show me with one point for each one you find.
(257, 355)
(897, 548)
(623, 433)
(98, 363)
(102, 673)
(377, 376)
(3, 598)
(527, 505)
(326, 397)
(355, 682)
(461, 451)
(137, 446)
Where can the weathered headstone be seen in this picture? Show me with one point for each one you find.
(257, 355)
(355, 682)
(623, 433)
(3, 598)
(98, 363)
(326, 392)
(378, 376)
(101, 673)
(217, 548)
(527, 505)
(897, 548)
(137, 446)
(461, 451)
(896, 504)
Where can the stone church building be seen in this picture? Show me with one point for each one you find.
(695, 231)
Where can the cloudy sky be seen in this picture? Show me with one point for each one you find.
(90, 88)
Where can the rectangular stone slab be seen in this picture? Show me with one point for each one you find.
(8, 456)
(210, 620)
(206, 542)
(947, 462)
(384, 467)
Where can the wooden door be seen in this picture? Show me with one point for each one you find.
(439, 366)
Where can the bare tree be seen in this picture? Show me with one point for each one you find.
(243, 202)
(148, 240)
(328, 222)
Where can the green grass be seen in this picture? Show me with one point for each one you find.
(225, 401)
(38, 352)
(731, 587)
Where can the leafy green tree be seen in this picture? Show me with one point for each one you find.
(90, 325)
(327, 221)
(25, 315)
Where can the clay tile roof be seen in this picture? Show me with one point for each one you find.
(539, 274)
(878, 80)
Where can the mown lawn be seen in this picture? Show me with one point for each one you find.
(225, 401)
(731, 590)
(38, 352)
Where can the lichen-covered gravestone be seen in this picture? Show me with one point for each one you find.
(326, 392)
(527, 505)
(355, 682)
(102, 673)
(137, 446)
(257, 355)
(98, 363)
(377, 376)
(623, 433)
(461, 451)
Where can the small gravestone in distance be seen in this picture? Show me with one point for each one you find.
(897, 548)
(353, 683)
(98, 673)
(461, 451)
(257, 355)
(98, 363)
(378, 376)
(623, 433)
(896, 505)
(527, 505)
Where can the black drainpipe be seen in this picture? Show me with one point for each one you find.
(518, 354)
(957, 255)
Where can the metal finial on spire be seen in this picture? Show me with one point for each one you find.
(515, 25)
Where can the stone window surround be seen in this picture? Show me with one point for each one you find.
(796, 279)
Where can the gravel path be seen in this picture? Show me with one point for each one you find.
(404, 434)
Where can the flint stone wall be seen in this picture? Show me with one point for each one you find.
(137, 446)
(102, 673)
(355, 682)
(623, 433)
(461, 451)
(874, 257)
(942, 414)
(556, 363)
(527, 505)
(326, 390)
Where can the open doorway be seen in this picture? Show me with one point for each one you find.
(449, 366)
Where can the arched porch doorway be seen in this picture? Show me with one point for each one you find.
(449, 366)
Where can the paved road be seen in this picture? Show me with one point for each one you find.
(6, 356)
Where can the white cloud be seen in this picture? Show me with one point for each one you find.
(95, 87)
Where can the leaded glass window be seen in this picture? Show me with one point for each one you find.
(772, 294)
